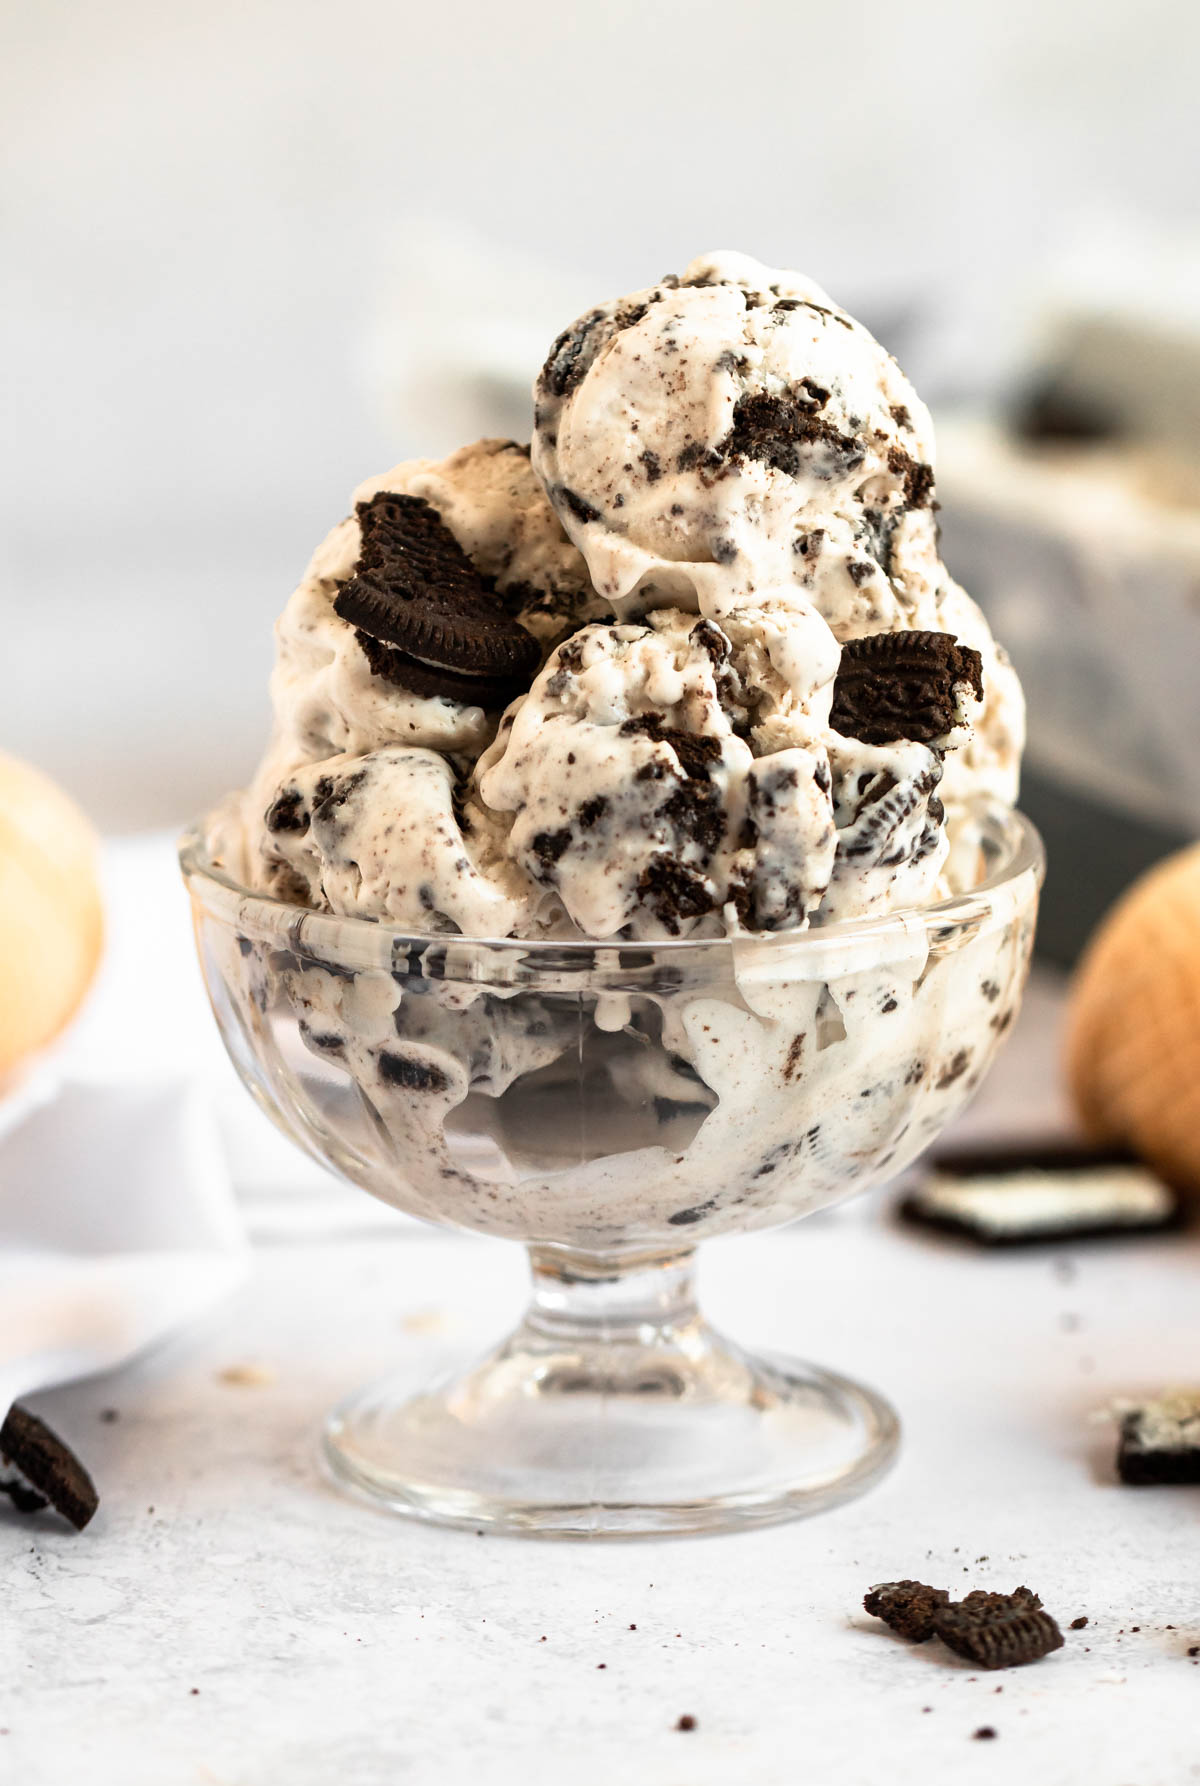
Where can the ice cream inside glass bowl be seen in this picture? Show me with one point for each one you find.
(634, 860)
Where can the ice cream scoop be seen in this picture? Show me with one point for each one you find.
(730, 433)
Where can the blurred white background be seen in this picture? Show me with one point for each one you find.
(243, 241)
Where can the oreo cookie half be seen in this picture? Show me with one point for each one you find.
(902, 685)
(425, 618)
(48, 1472)
(426, 679)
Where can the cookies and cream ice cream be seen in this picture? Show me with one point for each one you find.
(689, 667)
(612, 714)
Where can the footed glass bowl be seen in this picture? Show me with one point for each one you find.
(610, 1106)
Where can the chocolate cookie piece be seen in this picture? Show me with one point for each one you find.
(411, 1073)
(1040, 1196)
(403, 671)
(870, 813)
(673, 891)
(570, 359)
(572, 354)
(917, 476)
(287, 812)
(908, 1607)
(998, 1630)
(417, 595)
(49, 1473)
(696, 751)
(902, 685)
(1160, 1442)
(777, 430)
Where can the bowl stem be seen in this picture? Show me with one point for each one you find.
(614, 1410)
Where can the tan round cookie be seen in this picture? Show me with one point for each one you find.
(50, 916)
(1133, 1036)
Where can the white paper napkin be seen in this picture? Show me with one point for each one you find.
(117, 1226)
(149, 1006)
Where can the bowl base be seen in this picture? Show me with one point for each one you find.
(670, 1431)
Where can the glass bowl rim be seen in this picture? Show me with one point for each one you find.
(1026, 855)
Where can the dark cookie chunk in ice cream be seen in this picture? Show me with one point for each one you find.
(581, 509)
(873, 811)
(695, 810)
(696, 751)
(683, 1218)
(48, 1472)
(673, 892)
(908, 1607)
(417, 595)
(998, 1630)
(572, 354)
(917, 476)
(287, 812)
(411, 1073)
(571, 357)
(787, 432)
(548, 847)
(903, 685)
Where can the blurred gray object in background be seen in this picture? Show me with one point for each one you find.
(1072, 512)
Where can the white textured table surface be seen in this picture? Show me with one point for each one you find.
(228, 1620)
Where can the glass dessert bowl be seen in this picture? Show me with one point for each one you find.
(611, 1105)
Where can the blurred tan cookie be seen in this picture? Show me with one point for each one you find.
(50, 916)
(1133, 1036)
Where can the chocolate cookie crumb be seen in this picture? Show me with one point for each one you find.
(579, 507)
(287, 812)
(548, 846)
(686, 1722)
(984, 1734)
(673, 892)
(908, 1607)
(954, 1069)
(1079, 1623)
(411, 1074)
(683, 1218)
(918, 477)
